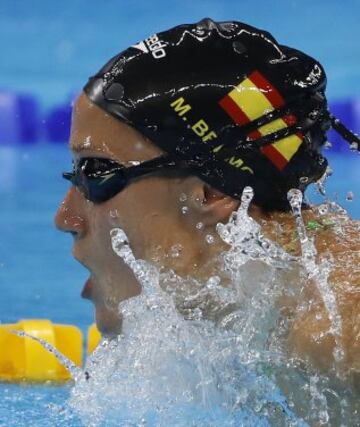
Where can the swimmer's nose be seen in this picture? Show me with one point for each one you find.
(68, 217)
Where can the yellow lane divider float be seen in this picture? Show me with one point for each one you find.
(23, 358)
(93, 338)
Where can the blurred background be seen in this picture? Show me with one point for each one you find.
(49, 49)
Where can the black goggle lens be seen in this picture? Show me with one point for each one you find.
(97, 179)
(101, 179)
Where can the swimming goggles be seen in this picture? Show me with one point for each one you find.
(100, 179)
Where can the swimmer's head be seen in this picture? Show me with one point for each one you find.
(223, 104)
(227, 99)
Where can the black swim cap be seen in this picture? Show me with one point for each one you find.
(227, 98)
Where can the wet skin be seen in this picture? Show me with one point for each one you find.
(336, 238)
(150, 212)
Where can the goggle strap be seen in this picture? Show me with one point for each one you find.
(69, 176)
(349, 136)
(346, 133)
(158, 163)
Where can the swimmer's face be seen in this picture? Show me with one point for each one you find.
(150, 210)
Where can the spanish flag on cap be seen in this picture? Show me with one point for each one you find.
(251, 99)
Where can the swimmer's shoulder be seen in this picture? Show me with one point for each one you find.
(334, 233)
(337, 240)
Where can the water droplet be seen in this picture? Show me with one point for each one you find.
(304, 180)
(199, 31)
(350, 196)
(114, 92)
(175, 250)
(139, 146)
(134, 162)
(327, 145)
(246, 197)
(239, 47)
(114, 213)
(295, 197)
(338, 353)
(87, 142)
(320, 188)
(199, 226)
(328, 171)
(209, 238)
(213, 282)
(321, 182)
(354, 146)
(184, 210)
(183, 197)
(323, 209)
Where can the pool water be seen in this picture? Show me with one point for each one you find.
(39, 278)
(31, 405)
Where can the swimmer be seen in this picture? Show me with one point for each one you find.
(166, 136)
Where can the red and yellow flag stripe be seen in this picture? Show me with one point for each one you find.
(251, 99)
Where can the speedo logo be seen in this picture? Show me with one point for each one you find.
(152, 45)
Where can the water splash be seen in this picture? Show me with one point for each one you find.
(244, 235)
(349, 196)
(167, 369)
(328, 206)
(354, 146)
(321, 182)
(258, 269)
(318, 272)
(212, 352)
(74, 370)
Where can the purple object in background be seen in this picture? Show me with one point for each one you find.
(19, 118)
(57, 123)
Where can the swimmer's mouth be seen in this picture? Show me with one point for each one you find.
(86, 292)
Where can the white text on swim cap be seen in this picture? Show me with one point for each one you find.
(152, 45)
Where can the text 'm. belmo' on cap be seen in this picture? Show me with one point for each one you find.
(227, 98)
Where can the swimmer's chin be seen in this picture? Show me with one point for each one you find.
(108, 322)
(107, 315)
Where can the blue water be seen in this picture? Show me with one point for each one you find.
(30, 405)
(50, 50)
(39, 278)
